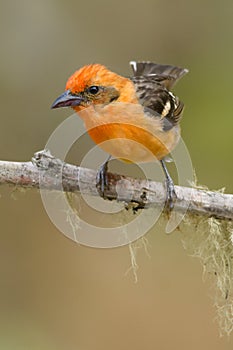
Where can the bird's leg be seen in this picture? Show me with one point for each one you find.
(171, 194)
(102, 178)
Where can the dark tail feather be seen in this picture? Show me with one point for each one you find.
(149, 68)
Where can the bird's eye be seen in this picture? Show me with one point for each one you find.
(93, 90)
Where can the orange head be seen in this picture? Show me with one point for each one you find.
(95, 84)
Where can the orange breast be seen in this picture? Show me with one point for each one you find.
(129, 142)
(125, 132)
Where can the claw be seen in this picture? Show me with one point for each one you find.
(171, 194)
(102, 178)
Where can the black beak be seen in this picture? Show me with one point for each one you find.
(67, 99)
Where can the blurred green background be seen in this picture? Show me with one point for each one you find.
(55, 294)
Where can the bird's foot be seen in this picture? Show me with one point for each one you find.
(170, 195)
(102, 179)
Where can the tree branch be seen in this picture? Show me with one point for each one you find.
(47, 172)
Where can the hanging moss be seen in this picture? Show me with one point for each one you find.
(211, 240)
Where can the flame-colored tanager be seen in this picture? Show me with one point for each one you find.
(134, 119)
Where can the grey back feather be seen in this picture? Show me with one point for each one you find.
(171, 74)
(153, 83)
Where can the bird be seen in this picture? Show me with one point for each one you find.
(135, 119)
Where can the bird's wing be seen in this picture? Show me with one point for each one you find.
(152, 83)
(169, 75)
